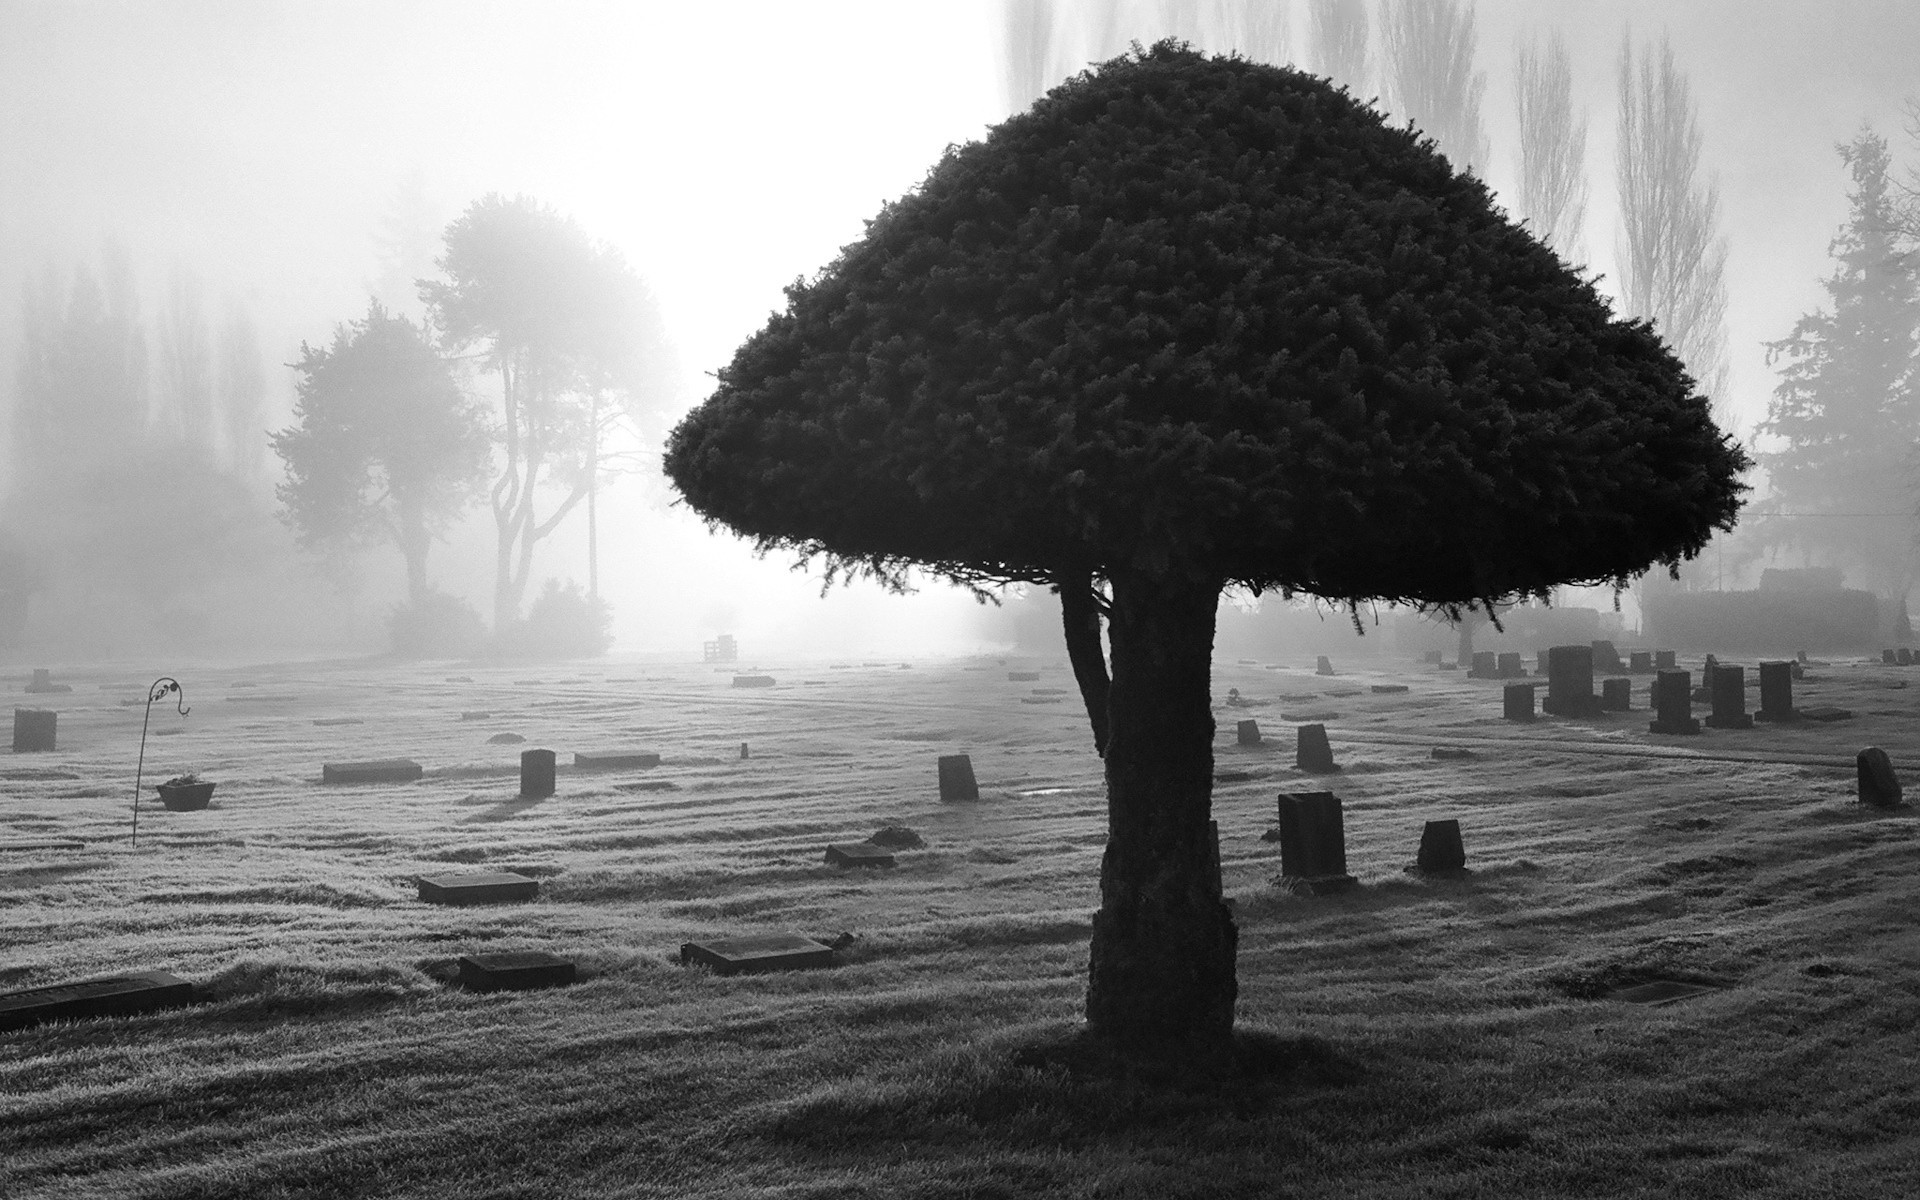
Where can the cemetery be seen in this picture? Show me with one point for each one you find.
(641, 904)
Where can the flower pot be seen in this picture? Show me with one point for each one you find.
(185, 797)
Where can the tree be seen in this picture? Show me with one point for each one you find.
(1430, 75)
(1673, 261)
(566, 323)
(1553, 146)
(1847, 407)
(1027, 68)
(1190, 323)
(241, 389)
(82, 374)
(383, 442)
(1339, 35)
(186, 366)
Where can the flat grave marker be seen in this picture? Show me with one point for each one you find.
(380, 770)
(615, 760)
(1388, 689)
(757, 952)
(476, 716)
(1452, 753)
(1022, 676)
(752, 681)
(107, 996)
(858, 854)
(505, 739)
(1825, 712)
(478, 887)
(338, 721)
(515, 971)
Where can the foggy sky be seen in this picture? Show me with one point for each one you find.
(727, 148)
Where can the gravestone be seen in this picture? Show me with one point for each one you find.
(1431, 658)
(1022, 676)
(956, 778)
(1388, 689)
(1886, 657)
(1903, 657)
(1797, 670)
(1800, 656)
(34, 729)
(536, 774)
(1673, 703)
(1313, 843)
(752, 681)
(1485, 665)
(1323, 665)
(514, 971)
(479, 887)
(1639, 662)
(757, 952)
(109, 996)
(476, 716)
(1825, 712)
(1879, 786)
(383, 770)
(36, 845)
(1776, 692)
(1452, 752)
(1509, 666)
(1729, 699)
(338, 721)
(615, 760)
(1517, 701)
(1312, 752)
(1704, 692)
(858, 854)
(1441, 848)
(1540, 663)
(1248, 733)
(744, 753)
(1606, 659)
(1570, 682)
(1663, 660)
(43, 682)
(505, 739)
(1616, 695)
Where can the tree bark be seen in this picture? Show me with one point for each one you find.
(1080, 614)
(1161, 970)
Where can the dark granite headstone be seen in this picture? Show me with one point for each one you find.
(1797, 670)
(1903, 657)
(1570, 682)
(1486, 665)
(1776, 692)
(1639, 662)
(1312, 752)
(858, 854)
(109, 996)
(185, 797)
(757, 952)
(536, 774)
(1616, 695)
(480, 887)
(1606, 659)
(1441, 848)
(1387, 689)
(1248, 733)
(1825, 712)
(1729, 699)
(956, 778)
(1879, 786)
(1313, 842)
(384, 770)
(514, 971)
(615, 760)
(1517, 701)
(1886, 657)
(34, 729)
(1540, 663)
(505, 739)
(1673, 703)
(1509, 666)
(1431, 658)
(744, 753)
(1323, 665)
(1663, 660)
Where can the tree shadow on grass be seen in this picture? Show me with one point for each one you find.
(502, 810)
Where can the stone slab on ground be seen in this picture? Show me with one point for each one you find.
(858, 854)
(1659, 991)
(615, 760)
(757, 952)
(752, 681)
(379, 770)
(1384, 689)
(1825, 713)
(107, 996)
(338, 721)
(30, 845)
(478, 887)
(514, 971)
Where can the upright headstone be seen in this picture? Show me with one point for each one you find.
(1510, 667)
(1540, 663)
(1441, 848)
(1323, 666)
(956, 778)
(43, 682)
(1570, 682)
(1879, 786)
(1248, 733)
(1799, 670)
(1886, 658)
(536, 774)
(1485, 665)
(1616, 695)
(1903, 657)
(34, 729)
(1431, 658)
(1606, 658)
(1776, 692)
(1517, 702)
(1673, 703)
(1313, 843)
(1663, 660)
(1800, 656)
(1639, 662)
(1729, 699)
(1312, 752)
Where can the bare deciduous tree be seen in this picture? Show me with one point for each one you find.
(1027, 67)
(1430, 78)
(1255, 28)
(1553, 146)
(1673, 260)
(1339, 37)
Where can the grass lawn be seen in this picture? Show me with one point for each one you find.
(1414, 1038)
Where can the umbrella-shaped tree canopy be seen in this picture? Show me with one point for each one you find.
(1189, 322)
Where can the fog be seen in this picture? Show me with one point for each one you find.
(277, 164)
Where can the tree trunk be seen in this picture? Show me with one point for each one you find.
(415, 541)
(1080, 615)
(1163, 941)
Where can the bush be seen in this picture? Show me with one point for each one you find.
(563, 623)
(439, 626)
